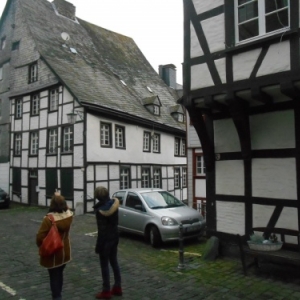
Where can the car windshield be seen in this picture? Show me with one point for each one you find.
(161, 199)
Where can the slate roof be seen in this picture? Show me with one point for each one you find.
(103, 59)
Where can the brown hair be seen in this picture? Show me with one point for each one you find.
(101, 193)
(58, 204)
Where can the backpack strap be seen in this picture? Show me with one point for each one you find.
(50, 216)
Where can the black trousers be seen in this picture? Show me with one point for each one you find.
(56, 281)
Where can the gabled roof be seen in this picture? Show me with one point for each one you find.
(93, 75)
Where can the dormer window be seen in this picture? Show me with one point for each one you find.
(156, 110)
(177, 113)
(33, 72)
(152, 104)
(180, 118)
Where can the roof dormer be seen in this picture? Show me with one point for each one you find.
(177, 113)
(152, 104)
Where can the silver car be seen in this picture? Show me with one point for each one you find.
(156, 214)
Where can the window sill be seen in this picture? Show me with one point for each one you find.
(239, 47)
(51, 154)
(67, 152)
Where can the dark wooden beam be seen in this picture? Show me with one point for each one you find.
(259, 95)
(212, 104)
(288, 89)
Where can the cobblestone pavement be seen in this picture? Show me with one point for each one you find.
(147, 273)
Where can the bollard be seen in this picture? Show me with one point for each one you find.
(181, 265)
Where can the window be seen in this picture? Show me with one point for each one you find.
(105, 135)
(133, 201)
(180, 147)
(1, 72)
(51, 182)
(52, 141)
(156, 143)
(200, 167)
(124, 177)
(157, 178)
(35, 105)
(3, 43)
(180, 118)
(67, 183)
(156, 110)
(184, 177)
(120, 136)
(34, 143)
(0, 107)
(67, 139)
(15, 46)
(18, 108)
(176, 178)
(18, 144)
(33, 73)
(147, 142)
(145, 177)
(259, 17)
(53, 99)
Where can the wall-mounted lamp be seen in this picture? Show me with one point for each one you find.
(73, 116)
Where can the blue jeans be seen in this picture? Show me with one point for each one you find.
(56, 281)
(108, 255)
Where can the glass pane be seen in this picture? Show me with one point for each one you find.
(248, 30)
(277, 21)
(271, 5)
(240, 2)
(248, 12)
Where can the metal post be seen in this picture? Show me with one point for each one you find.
(181, 251)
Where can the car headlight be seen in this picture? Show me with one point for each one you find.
(167, 221)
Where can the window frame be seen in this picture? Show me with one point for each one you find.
(35, 105)
(33, 73)
(147, 141)
(34, 143)
(3, 42)
(156, 143)
(54, 99)
(17, 144)
(157, 177)
(18, 108)
(70, 140)
(177, 184)
(201, 167)
(184, 177)
(261, 17)
(108, 133)
(145, 177)
(125, 177)
(120, 137)
(1, 73)
(50, 141)
(156, 110)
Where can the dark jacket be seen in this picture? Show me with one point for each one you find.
(107, 221)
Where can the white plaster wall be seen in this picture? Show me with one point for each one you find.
(44, 118)
(78, 197)
(114, 172)
(25, 118)
(78, 179)
(221, 68)
(42, 178)
(17, 162)
(90, 173)
(134, 144)
(102, 172)
(279, 53)
(244, 63)
(4, 176)
(78, 133)
(51, 161)
(114, 186)
(24, 195)
(33, 162)
(230, 217)
(196, 49)
(66, 161)
(203, 6)
(66, 108)
(52, 118)
(42, 158)
(90, 190)
(24, 159)
(18, 125)
(274, 178)
(225, 136)
(214, 31)
(67, 97)
(25, 140)
(193, 139)
(78, 156)
(200, 188)
(230, 177)
(42, 138)
(278, 130)
(34, 123)
(200, 77)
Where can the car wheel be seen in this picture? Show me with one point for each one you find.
(154, 236)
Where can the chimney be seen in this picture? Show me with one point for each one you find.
(65, 9)
(168, 75)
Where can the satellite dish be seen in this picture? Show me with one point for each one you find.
(65, 36)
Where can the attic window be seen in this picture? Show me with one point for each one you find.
(156, 110)
(149, 89)
(123, 82)
(178, 117)
(15, 46)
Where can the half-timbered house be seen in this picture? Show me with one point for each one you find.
(85, 108)
(241, 89)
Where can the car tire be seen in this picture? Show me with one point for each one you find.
(154, 237)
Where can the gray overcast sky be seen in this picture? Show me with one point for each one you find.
(155, 25)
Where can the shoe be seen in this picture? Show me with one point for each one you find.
(117, 291)
(103, 295)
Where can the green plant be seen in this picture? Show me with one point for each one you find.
(255, 238)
